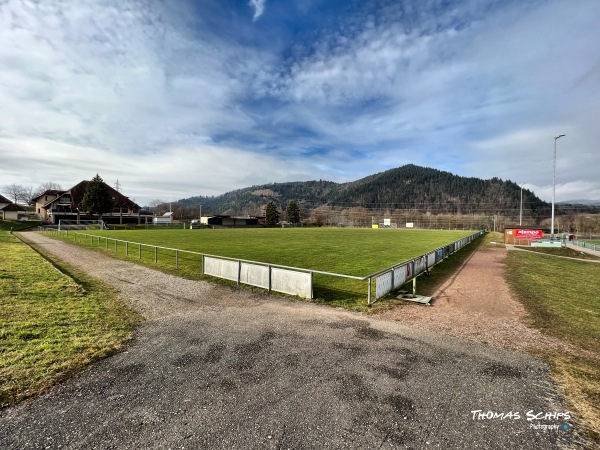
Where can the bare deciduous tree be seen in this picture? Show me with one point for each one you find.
(15, 192)
(47, 186)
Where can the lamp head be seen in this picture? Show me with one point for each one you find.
(559, 136)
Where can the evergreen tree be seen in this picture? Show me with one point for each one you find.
(97, 199)
(292, 212)
(271, 213)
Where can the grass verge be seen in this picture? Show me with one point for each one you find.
(17, 225)
(563, 251)
(561, 297)
(52, 323)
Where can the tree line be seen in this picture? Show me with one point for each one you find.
(22, 194)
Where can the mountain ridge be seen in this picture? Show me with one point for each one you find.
(407, 187)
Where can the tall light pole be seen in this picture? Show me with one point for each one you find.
(521, 208)
(554, 186)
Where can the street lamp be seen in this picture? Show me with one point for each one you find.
(554, 187)
(521, 208)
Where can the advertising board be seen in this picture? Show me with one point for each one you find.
(528, 234)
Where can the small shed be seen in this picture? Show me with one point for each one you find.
(165, 219)
(521, 234)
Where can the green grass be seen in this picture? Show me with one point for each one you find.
(562, 299)
(16, 225)
(356, 252)
(51, 324)
(562, 251)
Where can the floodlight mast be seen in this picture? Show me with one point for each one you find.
(554, 186)
(521, 209)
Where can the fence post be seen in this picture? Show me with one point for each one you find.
(239, 272)
(269, 278)
(202, 265)
(312, 294)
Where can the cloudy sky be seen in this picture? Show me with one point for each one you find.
(178, 98)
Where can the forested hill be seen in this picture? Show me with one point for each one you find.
(252, 200)
(436, 191)
(406, 187)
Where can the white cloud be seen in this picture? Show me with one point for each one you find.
(259, 8)
(174, 173)
(134, 87)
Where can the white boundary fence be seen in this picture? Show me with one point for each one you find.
(285, 279)
(387, 280)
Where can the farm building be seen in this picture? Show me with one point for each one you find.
(226, 221)
(53, 205)
(521, 235)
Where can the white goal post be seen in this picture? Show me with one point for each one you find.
(65, 224)
(388, 225)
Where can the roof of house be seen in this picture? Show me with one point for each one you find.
(13, 207)
(4, 199)
(78, 191)
(47, 192)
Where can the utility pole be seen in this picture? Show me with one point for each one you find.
(118, 186)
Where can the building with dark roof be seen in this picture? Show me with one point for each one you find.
(53, 205)
(10, 210)
(4, 201)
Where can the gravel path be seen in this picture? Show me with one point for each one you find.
(217, 367)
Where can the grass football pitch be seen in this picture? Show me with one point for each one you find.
(357, 252)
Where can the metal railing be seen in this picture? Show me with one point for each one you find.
(588, 245)
(386, 279)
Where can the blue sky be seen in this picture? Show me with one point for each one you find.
(180, 98)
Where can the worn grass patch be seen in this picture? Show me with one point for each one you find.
(561, 297)
(51, 325)
(357, 252)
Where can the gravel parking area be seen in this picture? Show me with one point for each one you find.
(217, 367)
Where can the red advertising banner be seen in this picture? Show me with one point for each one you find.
(528, 234)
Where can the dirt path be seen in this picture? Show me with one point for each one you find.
(476, 303)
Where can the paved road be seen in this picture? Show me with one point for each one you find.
(272, 373)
